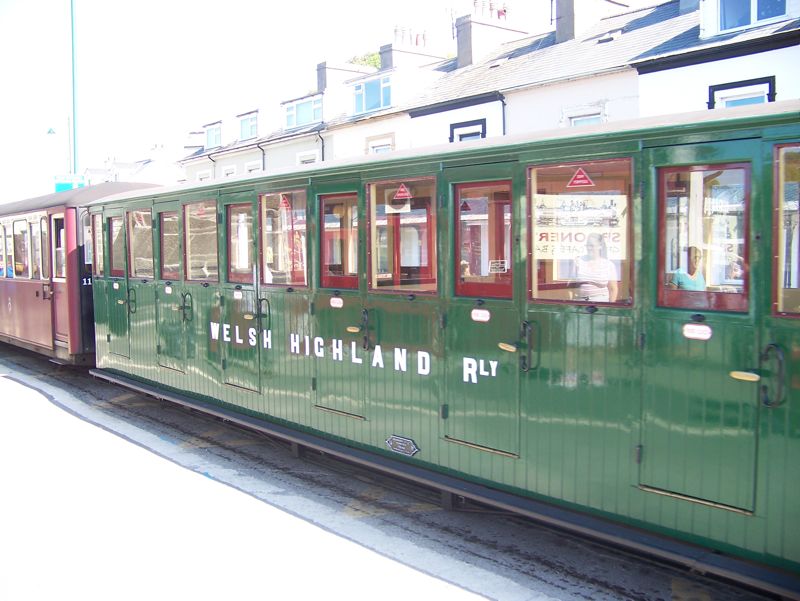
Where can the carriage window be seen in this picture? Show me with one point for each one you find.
(170, 246)
(2, 251)
(97, 237)
(283, 227)
(45, 254)
(36, 251)
(21, 255)
(201, 241)
(703, 231)
(117, 233)
(579, 232)
(59, 248)
(788, 239)
(140, 234)
(9, 252)
(339, 246)
(483, 237)
(403, 235)
(240, 243)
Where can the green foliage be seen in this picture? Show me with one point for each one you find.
(370, 59)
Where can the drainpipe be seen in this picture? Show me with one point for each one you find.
(213, 167)
(503, 102)
(322, 147)
(263, 157)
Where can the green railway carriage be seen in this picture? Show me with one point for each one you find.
(605, 320)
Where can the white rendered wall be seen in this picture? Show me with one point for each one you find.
(615, 96)
(686, 88)
(434, 129)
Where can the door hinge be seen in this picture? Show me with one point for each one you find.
(158, 349)
(224, 364)
(311, 308)
(444, 411)
(638, 452)
(314, 384)
(442, 321)
(108, 337)
(640, 342)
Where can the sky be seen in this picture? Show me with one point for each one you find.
(150, 71)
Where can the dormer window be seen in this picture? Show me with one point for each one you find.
(214, 135)
(373, 95)
(248, 126)
(734, 14)
(303, 112)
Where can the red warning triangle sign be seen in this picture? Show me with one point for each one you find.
(580, 180)
(403, 193)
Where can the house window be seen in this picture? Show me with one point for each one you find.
(468, 130)
(307, 158)
(373, 95)
(303, 112)
(379, 144)
(741, 13)
(248, 126)
(740, 93)
(579, 120)
(213, 135)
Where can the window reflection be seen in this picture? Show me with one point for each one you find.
(201, 241)
(339, 241)
(704, 216)
(403, 235)
(580, 232)
(283, 229)
(788, 242)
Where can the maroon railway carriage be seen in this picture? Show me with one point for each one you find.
(46, 272)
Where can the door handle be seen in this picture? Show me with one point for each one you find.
(777, 399)
(526, 363)
(261, 302)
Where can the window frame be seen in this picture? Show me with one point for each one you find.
(754, 20)
(431, 227)
(55, 246)
(776, 236)
(360, 94)
(713, 90)
(164, 274)
(239, 277)
(133, 251)
(213, 135)
(348, 282)
(262, 231)
(470, 128)
(689, 300)
(98, 248)
(186, 266)
(114, 271)
(497, 290)
(290, 111)
(248, 126)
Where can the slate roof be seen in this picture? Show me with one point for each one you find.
(615, 43)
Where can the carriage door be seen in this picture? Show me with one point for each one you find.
(483, 321)
(58, 278)
(240, 319)
(402, 336)
(118, 293)
(700, 404)
(341, 336)
(172, 303)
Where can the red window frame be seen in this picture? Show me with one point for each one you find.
(239, 278)
(328, 280)
(698, 300)
(299, 277)
(428, 273)
(503, 289)
(114, 270)
(186, 233)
